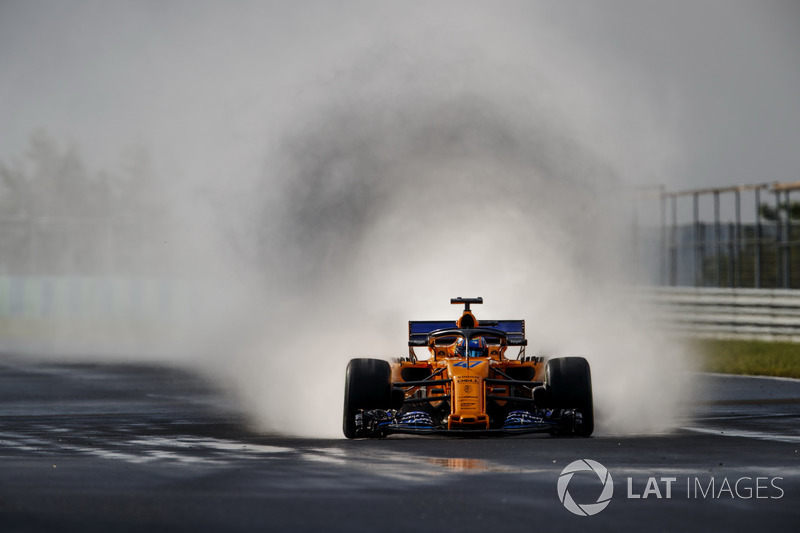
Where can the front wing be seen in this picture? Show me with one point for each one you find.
(381, 423)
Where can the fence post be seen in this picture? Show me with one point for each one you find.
(778, 241)
(717, 242)
(697, 271)
(757, 269)
(787, 239)
(737, 243)
(673, 246)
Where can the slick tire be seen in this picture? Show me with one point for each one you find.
(569, 386)
(367, 386)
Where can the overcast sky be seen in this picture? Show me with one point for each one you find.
(688, 93)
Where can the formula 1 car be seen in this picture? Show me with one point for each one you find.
(467, 386)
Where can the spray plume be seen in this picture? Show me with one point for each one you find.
(380, 204)
(413, 174)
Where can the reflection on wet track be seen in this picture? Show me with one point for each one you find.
(749, 407)
(142, 448)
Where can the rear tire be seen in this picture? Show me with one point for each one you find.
(367, 386)
(569, 385)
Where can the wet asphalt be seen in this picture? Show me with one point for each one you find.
(114, 447)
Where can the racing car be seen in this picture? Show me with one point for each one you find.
(467, 385)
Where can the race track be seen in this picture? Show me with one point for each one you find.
(87, 447)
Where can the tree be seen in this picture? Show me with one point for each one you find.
(771, 214)
(60, 218)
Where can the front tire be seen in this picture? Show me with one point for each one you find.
(569, 386)
(367, 386)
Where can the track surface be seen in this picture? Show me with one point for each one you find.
(140, 448)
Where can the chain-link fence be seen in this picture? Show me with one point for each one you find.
(745, 236)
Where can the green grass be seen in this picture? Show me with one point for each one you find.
(753, 358)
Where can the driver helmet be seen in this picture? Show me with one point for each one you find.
(477, 347)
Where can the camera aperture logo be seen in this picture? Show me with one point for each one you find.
(585, 509)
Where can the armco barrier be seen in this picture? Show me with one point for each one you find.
(759, 314)
(32, 303)
(80, 315)
(43, 297)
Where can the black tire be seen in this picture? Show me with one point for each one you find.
(569, 386)
(367, 386)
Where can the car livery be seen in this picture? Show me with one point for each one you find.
(467, 386)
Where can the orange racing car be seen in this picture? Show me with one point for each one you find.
(467, 385)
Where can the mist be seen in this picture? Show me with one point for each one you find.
(328, 173)
(386, 199)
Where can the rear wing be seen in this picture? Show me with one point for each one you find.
(418, 330)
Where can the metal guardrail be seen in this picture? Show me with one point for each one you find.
(89, 315)
(47, 297)
(758, 314)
